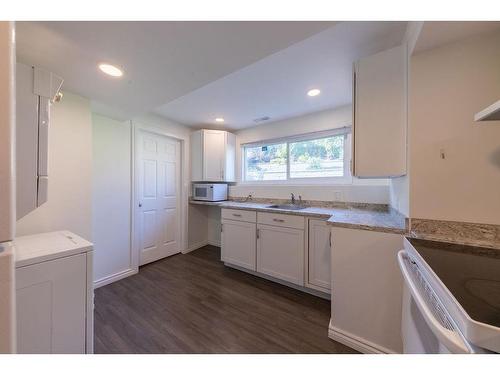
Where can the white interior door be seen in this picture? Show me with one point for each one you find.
(158, 203)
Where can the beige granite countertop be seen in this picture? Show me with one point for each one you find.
(366, 217)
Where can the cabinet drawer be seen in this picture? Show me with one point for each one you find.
(281, 220)
(239, 215)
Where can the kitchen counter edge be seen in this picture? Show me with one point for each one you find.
(364, 219)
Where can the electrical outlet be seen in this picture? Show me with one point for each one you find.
(337, 196)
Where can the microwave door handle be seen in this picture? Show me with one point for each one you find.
(450, 339)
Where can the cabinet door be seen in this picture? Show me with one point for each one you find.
(230, 158)
(213, 155)
(319, 276)
(51, 306)
(380, 114)
(238, 243)
(196, 141)
(280, 253)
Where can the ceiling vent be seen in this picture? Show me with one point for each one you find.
(261, 119)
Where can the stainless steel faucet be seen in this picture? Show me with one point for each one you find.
(293, 198)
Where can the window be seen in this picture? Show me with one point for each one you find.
(307, 157)
(266, 162)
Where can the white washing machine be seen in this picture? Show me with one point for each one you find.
(54, 293)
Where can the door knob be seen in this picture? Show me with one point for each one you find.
(140, 204)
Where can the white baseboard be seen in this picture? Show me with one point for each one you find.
(213, 243)
(115, 277)
(195, 246)
(355, 342)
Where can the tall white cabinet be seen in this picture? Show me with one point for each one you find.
(380, 114)
(213, 156)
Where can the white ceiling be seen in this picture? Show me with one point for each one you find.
(276, 86)
(437, 33)
(192, 72)
(162, 60)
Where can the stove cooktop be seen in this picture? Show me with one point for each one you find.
(471, 274)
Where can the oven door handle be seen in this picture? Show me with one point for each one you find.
(450, 339)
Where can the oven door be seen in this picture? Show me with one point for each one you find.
(426, 326)
(203, 192)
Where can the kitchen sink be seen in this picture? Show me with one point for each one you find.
(296, 207)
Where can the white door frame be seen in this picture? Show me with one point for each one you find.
(183, 184)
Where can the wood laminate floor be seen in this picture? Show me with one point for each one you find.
(192, 303)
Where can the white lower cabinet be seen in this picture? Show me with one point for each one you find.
(276, 245)
(280, 253)
(366, 308)
(318, 256)
(238, 243)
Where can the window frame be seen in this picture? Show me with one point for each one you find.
(346, 179)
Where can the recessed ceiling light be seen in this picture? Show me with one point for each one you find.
(219, 119)
(111, 70)
(314, 92)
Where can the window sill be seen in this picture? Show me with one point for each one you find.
(300, 182)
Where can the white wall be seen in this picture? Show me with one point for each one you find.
(399, 191)
(373, 191)
(214, 222)
(70, 172)
(448, 85)
(111, 198)
(197, 226)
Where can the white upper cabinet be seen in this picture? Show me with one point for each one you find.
(380, 114)
(213, 156)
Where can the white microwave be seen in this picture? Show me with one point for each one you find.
(210, 192)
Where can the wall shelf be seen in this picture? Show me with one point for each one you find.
(491, 113)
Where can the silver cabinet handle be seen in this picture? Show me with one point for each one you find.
(279, 220)
(237, 215)
(222, 228)
(140, 204)
(258, 233)
(330, 239)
